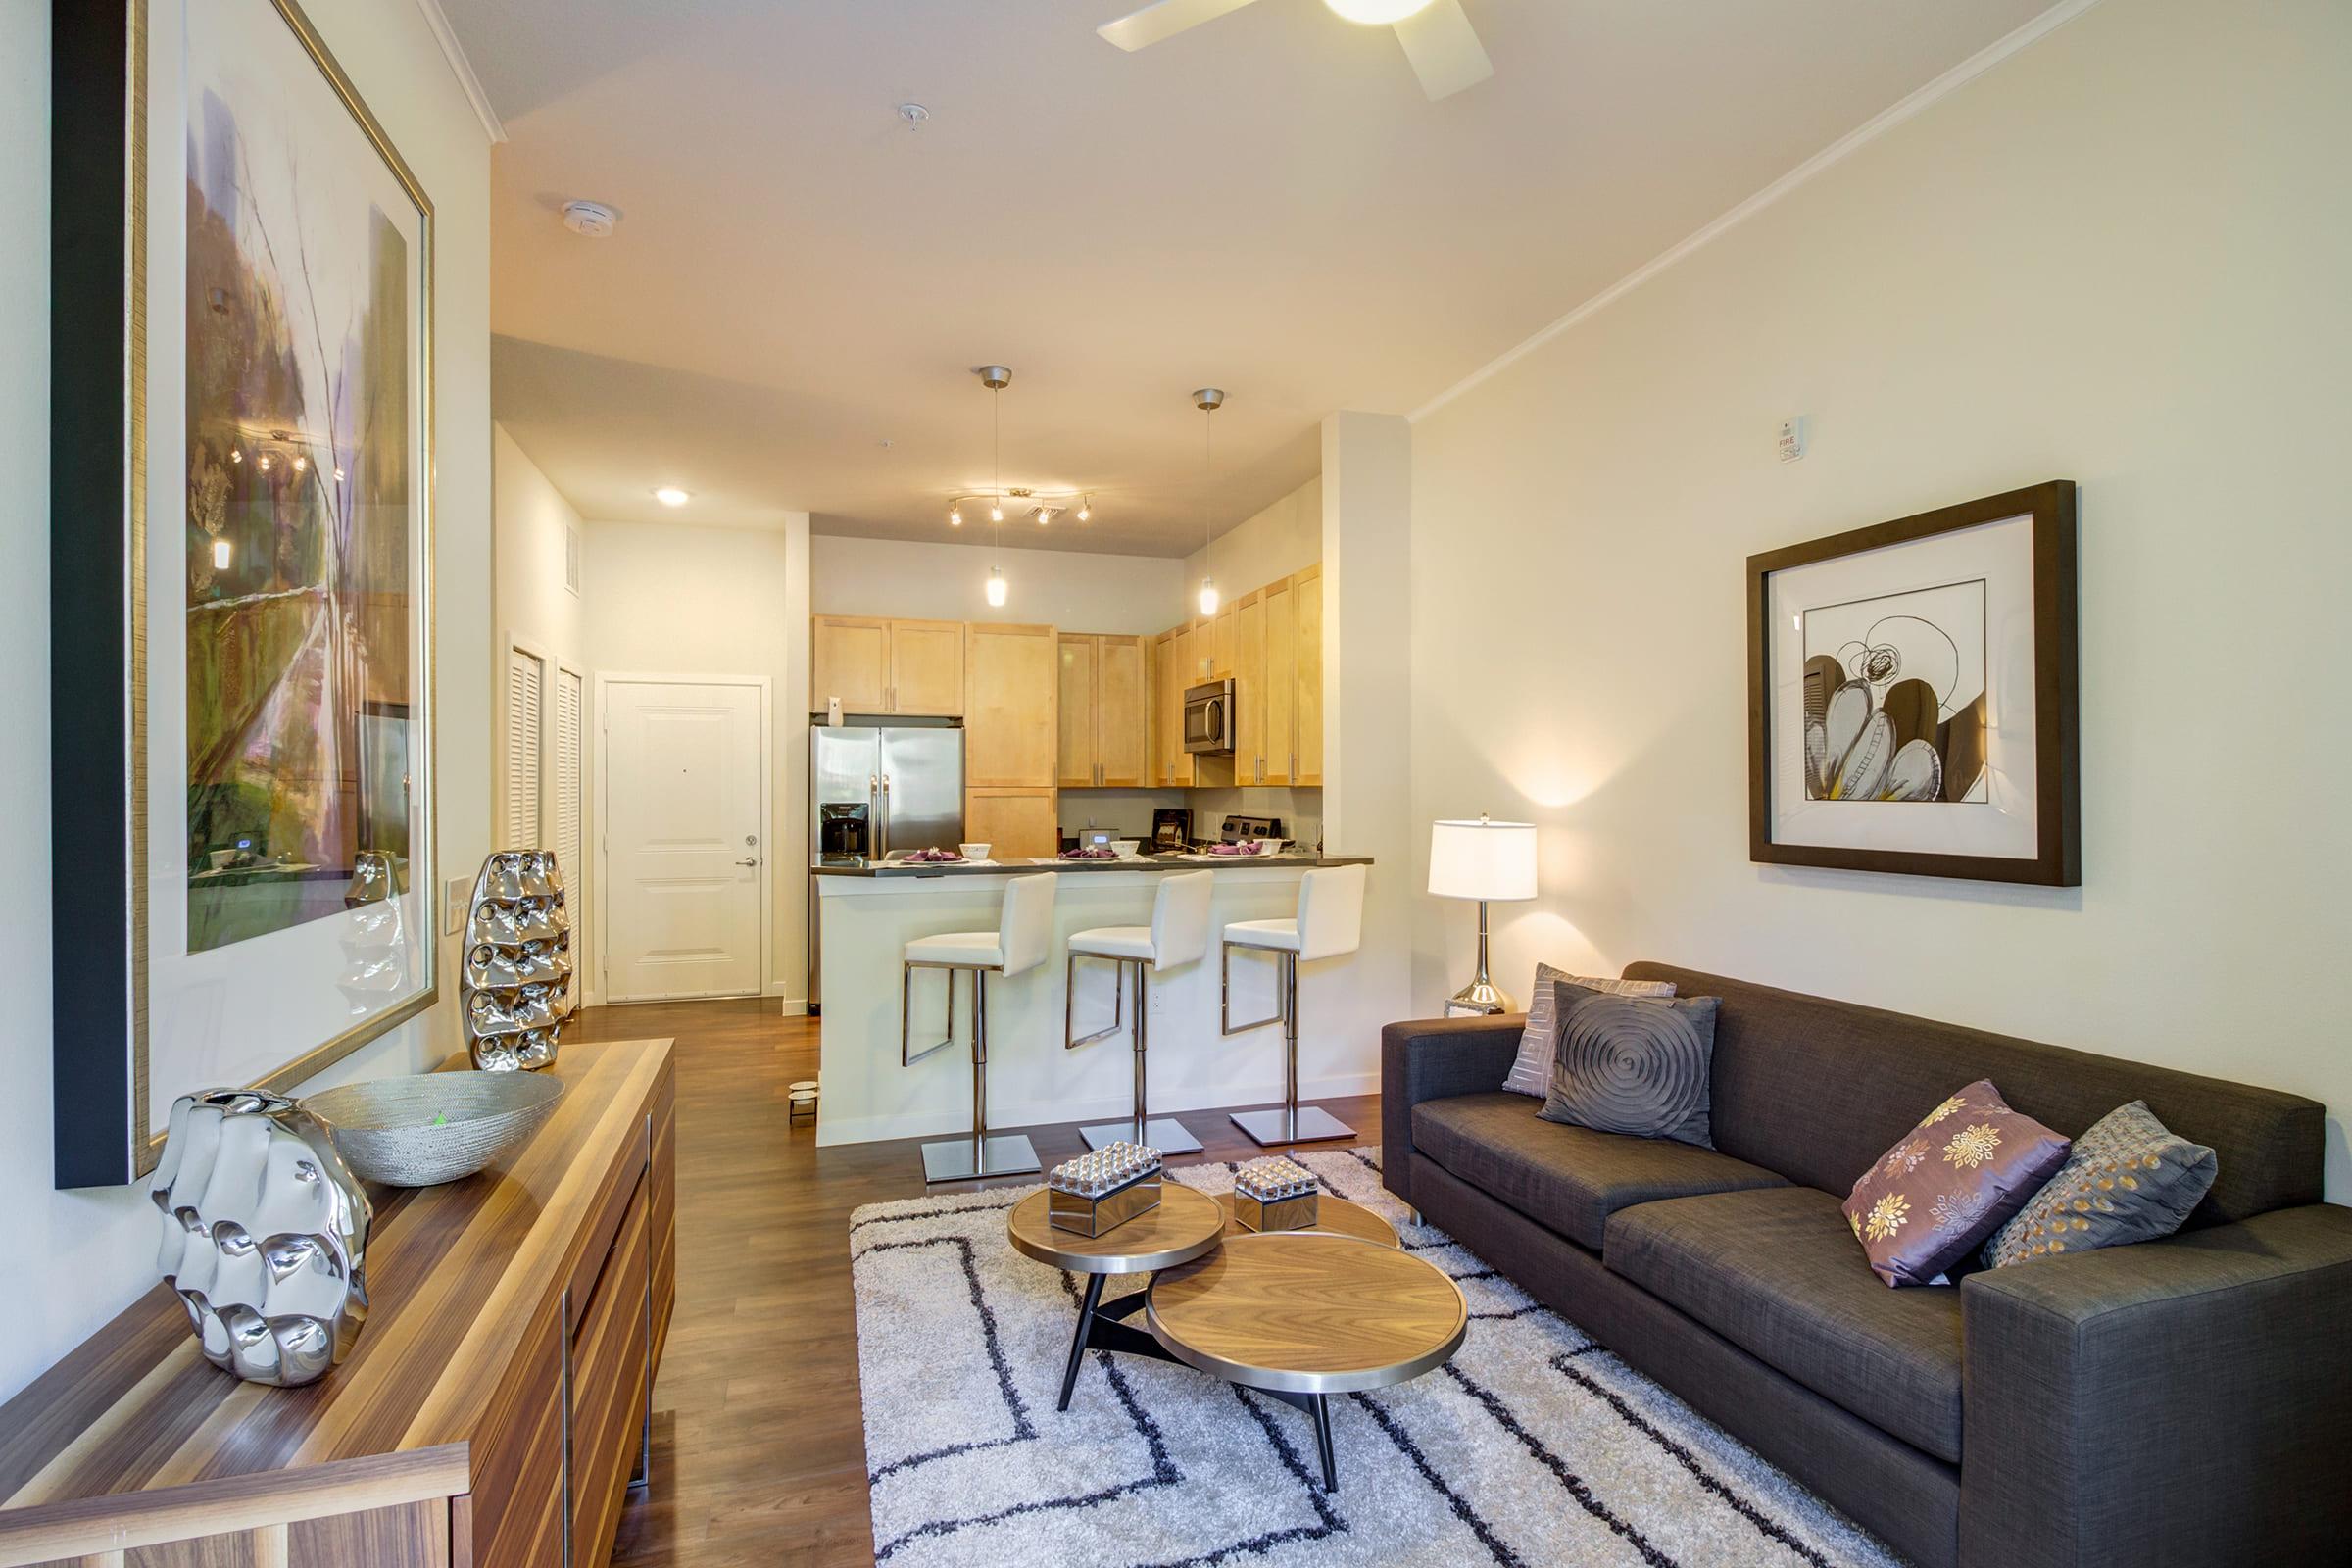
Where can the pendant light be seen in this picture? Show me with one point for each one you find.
(996, 377)
(1207, 400)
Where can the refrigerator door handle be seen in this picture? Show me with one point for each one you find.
(886, 813)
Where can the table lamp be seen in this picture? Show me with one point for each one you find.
(1488, 861)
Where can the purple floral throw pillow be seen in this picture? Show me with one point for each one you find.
(1948, 1183)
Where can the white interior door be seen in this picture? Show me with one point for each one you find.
(685, 777)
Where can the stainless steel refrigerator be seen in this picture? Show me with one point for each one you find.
(909, 777)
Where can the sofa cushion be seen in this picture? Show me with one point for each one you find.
(1631, 1064)
(1531, 1074)
(1568, 1179)
(1776, 1272)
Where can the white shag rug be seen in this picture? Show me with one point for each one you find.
(1532, 1446)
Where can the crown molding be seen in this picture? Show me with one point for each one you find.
(1870, 131)
(455, 52)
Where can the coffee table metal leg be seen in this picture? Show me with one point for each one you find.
(1331, 1464)
(1086, 1324)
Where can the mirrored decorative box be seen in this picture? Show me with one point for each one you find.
(1274, 1194)
(1095, 1194)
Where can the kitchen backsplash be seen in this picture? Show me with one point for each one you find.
(1128, 813)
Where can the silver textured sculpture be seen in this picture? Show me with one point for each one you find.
(519, 984)
(264, 1235)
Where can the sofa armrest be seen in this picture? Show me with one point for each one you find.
(1436, 1058)
(2183, 1401)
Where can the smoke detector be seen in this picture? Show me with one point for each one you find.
(591, 219)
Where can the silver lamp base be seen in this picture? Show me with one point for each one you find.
(1281, 1125)
(1480, 997)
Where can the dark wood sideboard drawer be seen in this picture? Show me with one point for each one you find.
(514, 1518)
(609, 1368)
(662, 1202)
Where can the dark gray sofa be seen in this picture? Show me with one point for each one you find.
(2184, 1402)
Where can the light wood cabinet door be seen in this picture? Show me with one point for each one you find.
(1249, 743)
(1122, 711)
(1175, 763)
(1012, 723)
(848, 658)
(1308, 586)
(1221, 645)
(926, 668)
(1280, 711)
(1075, 755)
(1016, 824)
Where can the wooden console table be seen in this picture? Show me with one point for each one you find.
(493, 1413)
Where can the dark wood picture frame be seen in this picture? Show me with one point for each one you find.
(2057, 784)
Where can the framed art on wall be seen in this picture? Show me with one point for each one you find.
(1911, 695)
(241, 567)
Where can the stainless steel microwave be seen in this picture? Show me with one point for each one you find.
(1208, 719)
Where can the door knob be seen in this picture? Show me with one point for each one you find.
(754, 860)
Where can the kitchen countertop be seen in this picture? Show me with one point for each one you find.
(897, 869)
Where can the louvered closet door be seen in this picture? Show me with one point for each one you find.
(567, 791)
(527, 688)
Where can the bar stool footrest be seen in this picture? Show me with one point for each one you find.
(1008, 1155)
(1162, 1133)
(1275, 1126)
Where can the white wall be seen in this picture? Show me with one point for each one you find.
(92, 1253)
(1285, 537)
(537, 611)
(1131, 595)
(2118, 257)
(687, 601)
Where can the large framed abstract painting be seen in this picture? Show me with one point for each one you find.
(1911, 695)
(241, 567)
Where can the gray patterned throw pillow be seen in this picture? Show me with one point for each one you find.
(1531, 1074)
(2129, 1179)
(1640, 1065)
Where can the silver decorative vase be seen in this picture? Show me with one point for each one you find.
(264, 1235)
(519, 982)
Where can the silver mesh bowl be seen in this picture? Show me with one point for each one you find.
(433, 1127)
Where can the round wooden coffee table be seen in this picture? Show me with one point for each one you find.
(1187, 1223)
(1305, 1315)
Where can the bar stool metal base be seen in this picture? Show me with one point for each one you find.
(1162, 1133)
(1306, 1124)
(1008, 1155)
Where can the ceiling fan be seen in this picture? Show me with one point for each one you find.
(1438, 37)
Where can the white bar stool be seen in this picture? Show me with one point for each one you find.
(1330, 922)
(1024, 927)
(1177, 935)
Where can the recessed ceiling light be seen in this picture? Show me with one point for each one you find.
(670, 495)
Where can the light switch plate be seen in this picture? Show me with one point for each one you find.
(452, 907)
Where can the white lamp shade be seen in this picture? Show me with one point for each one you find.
(1491, 861)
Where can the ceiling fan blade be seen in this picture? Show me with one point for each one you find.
(1165, 20)
(1444, 49)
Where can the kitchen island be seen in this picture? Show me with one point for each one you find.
(869, 911)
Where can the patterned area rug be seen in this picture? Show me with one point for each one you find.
(1532, 1446)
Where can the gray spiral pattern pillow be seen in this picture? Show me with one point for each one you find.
(1639, 1066)
(1531, 1074)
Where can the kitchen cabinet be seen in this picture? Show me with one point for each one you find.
(1277, 759)
(1104, 693)
(1308, 588)
(871, 665)
(1011, 727)
(1175, 762)
(926, 668)
(1016, 824)
(1250, 739)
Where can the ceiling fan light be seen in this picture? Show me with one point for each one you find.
(1377, 13)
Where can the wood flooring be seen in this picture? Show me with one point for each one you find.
(758, 1441)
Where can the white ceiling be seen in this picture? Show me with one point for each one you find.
(1266, 203)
